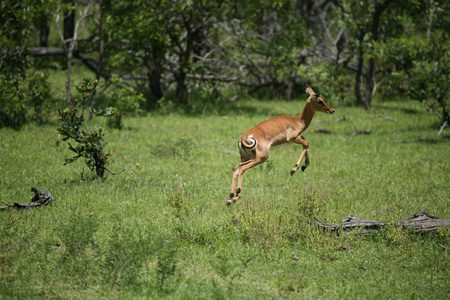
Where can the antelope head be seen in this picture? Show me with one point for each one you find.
(317, 102)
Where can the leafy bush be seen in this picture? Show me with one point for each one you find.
(24, 90)
(72, 125)
(24, 97)
(123, 99)
(430, 78)
(418, 68)
(335, 81)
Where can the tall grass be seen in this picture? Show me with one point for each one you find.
(168, 234)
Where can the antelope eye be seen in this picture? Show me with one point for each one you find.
(320, 101)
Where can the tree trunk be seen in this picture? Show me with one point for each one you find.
(181, 91)
(69, 21)
(290, 87)
(445, 114)
(370, 79)
(101, 51)
(359, 68)
(69, 30)
(304, 10)
(155, 82)
(370, 83)
(43, 34)
(99, 158)
(154, 75)
(200, 46)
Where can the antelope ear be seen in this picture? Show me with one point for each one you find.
(308, 89)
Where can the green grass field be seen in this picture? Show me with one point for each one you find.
(166, 232)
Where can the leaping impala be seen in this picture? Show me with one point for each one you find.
(255, 144)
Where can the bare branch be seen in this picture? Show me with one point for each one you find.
(384, 116)
(320, 129)
(72, 42)
(61, 37)
(442, 127)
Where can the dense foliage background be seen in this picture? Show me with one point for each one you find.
(191, 52)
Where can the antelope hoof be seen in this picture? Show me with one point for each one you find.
(292, 172)
(228, 202)
(303, 168)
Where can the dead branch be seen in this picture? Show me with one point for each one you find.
(343, 118)
(443, 247)
(326, 131)
(41, 197)
(442, 127)
(15, 181)
(421, 222)
(90, 62)
(70, 49)
(359, 132)
(320, 129)
(384, 116)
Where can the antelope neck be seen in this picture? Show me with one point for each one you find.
(306, 116)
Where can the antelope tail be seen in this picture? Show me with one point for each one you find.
(247, 148)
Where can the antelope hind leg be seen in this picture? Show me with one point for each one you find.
(244, 167)
(239, 170)
(233, 185)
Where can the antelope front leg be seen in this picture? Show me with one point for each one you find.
(300, 140)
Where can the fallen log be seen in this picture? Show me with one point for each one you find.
(320, 129)
(343, 118)
(359, 132)
(41, 197)
(384, 116)
(421, 222)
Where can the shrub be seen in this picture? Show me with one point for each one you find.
(123, 99)
(28, 96)
(72, 125)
